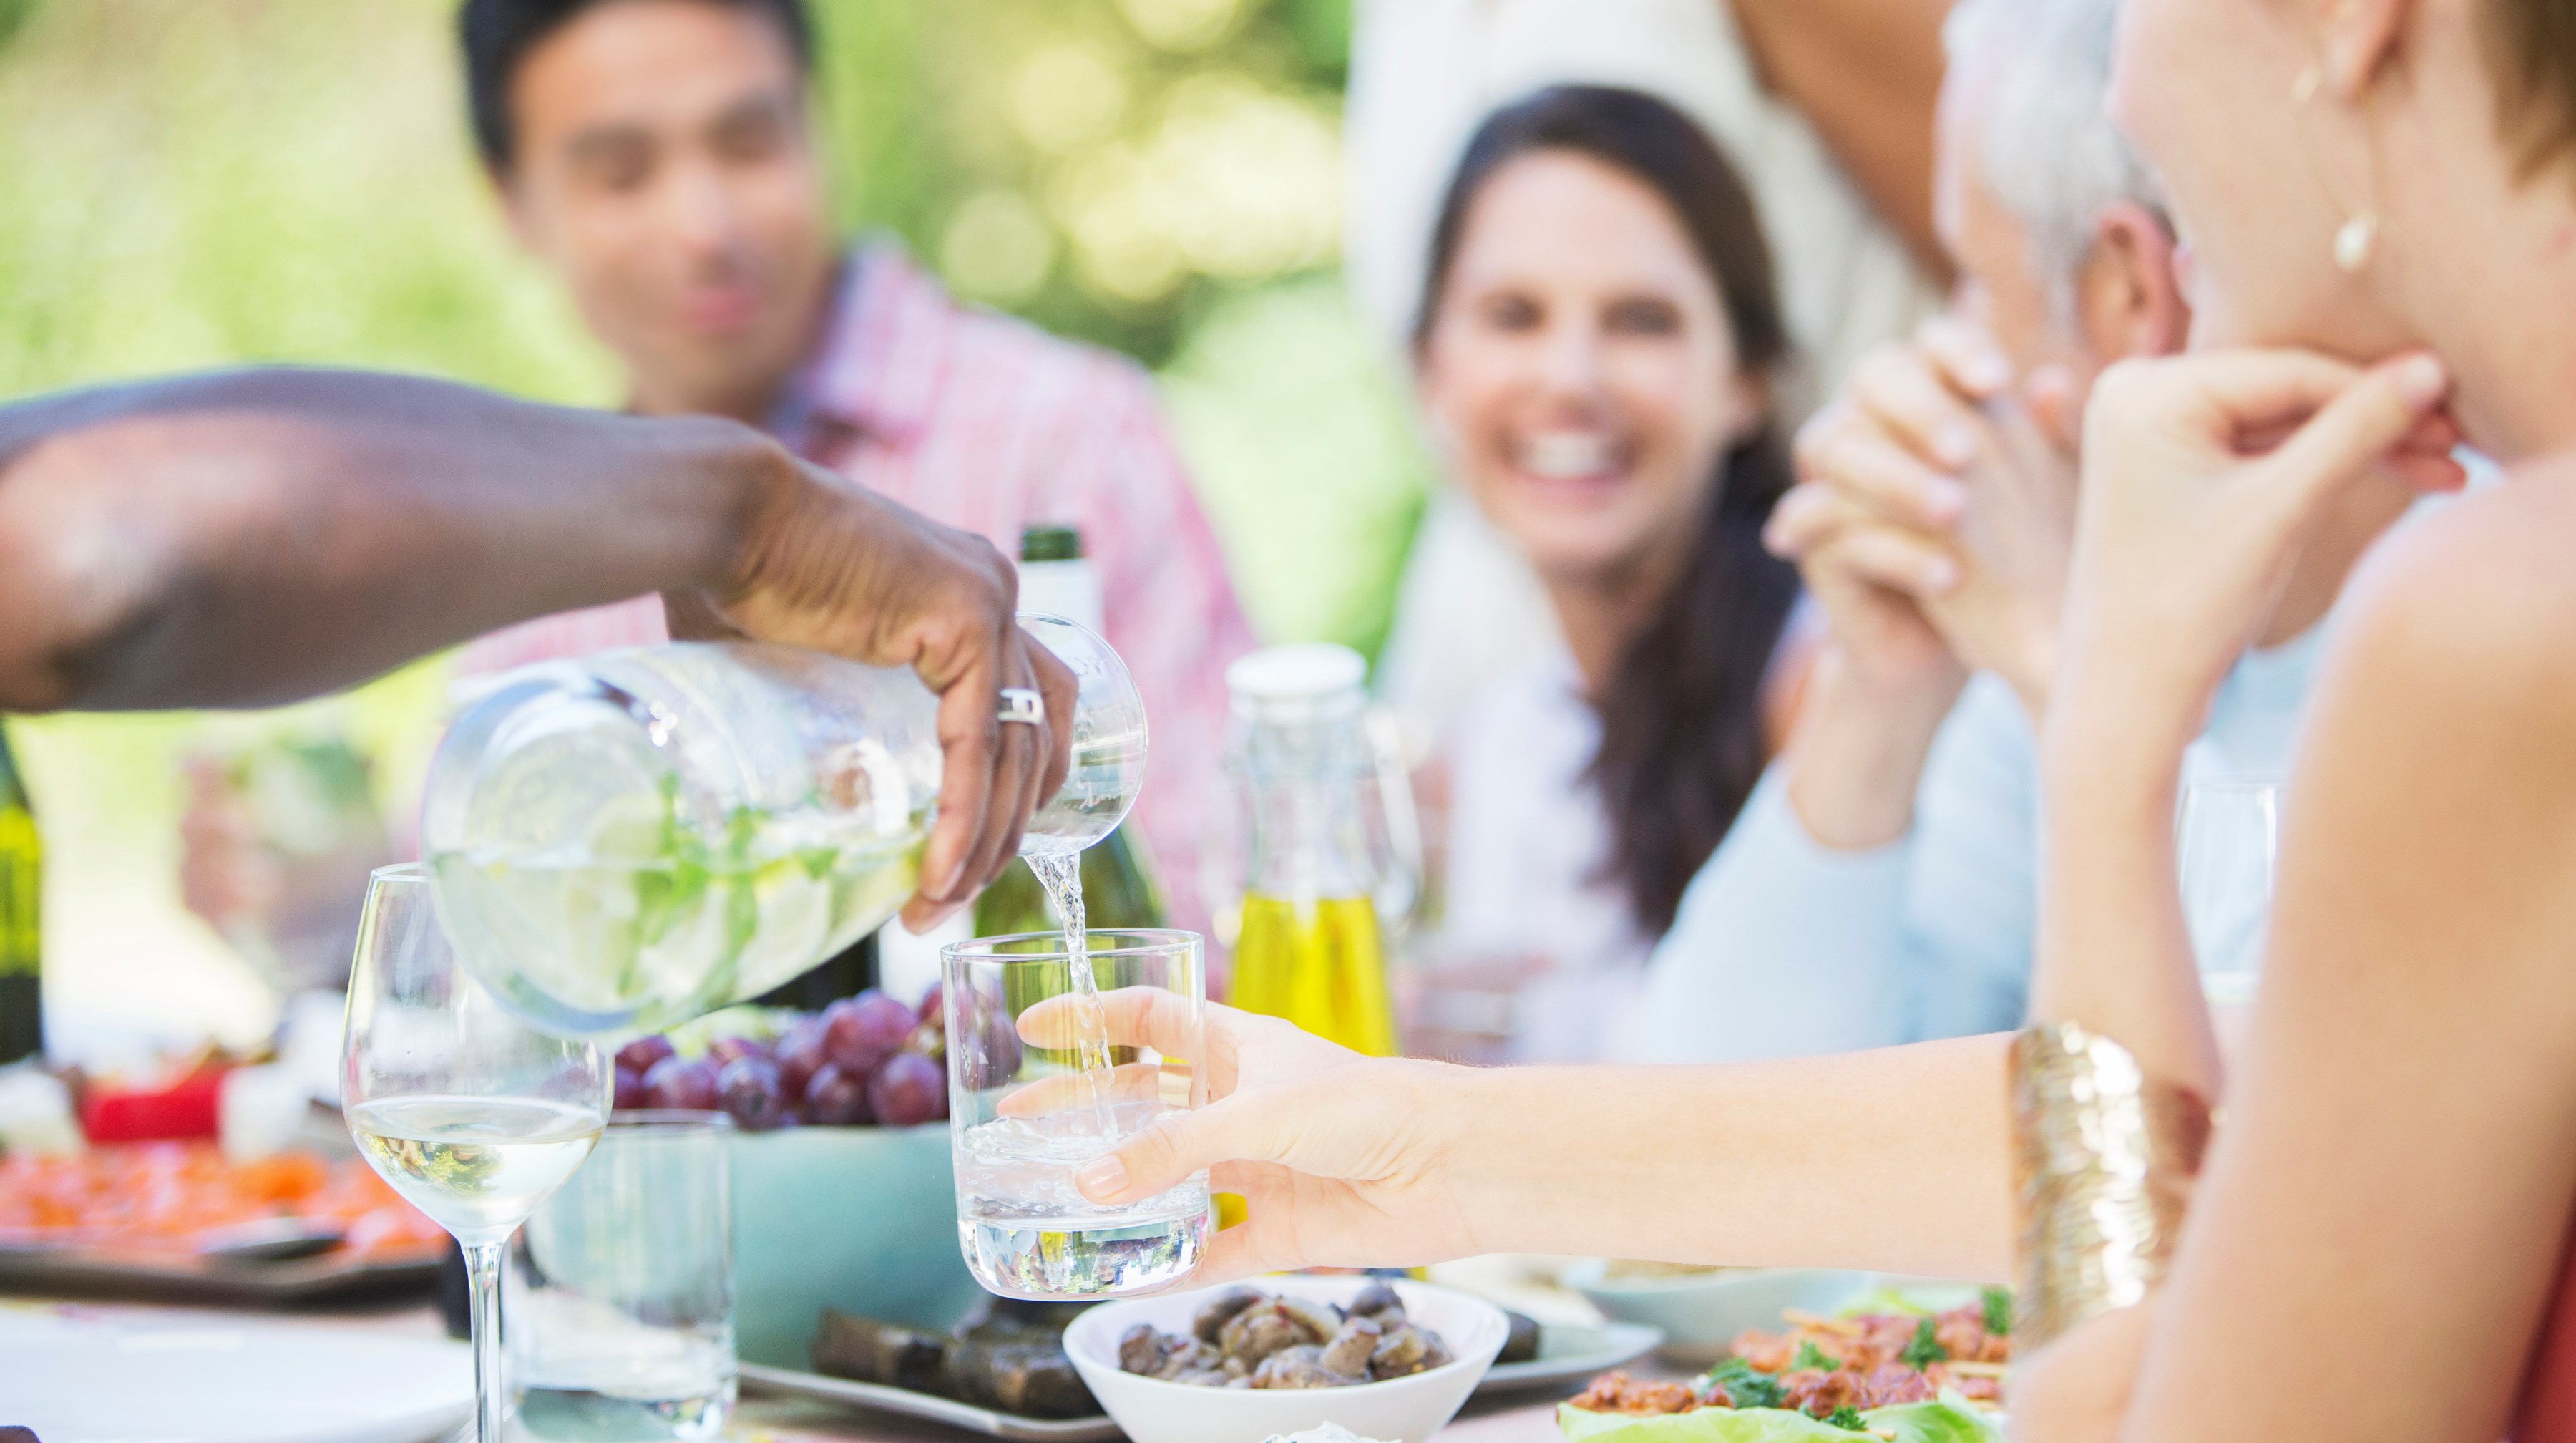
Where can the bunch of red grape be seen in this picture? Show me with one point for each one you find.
(864, 1059)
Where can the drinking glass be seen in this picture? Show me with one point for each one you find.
(472, 1115)
(2227, 845)
(620, 1303)
(1024, 1114)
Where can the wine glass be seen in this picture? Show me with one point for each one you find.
(2227, 849)
(472, 1115)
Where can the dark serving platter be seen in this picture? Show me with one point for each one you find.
(55, 1267)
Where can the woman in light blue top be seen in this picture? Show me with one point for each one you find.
(1786, 947)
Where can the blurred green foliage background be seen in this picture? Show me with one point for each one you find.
(192, 183)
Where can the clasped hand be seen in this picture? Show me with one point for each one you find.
(1933, 515)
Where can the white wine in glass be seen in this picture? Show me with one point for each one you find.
(471, 1114)
(474, 1163)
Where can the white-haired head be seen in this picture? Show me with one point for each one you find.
(2046, 150)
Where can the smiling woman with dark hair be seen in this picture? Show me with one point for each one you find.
(1597, 351)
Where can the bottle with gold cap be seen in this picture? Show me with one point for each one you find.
(1324, 866)
(22, 876)
(1118, 888)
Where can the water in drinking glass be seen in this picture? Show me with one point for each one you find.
(476, 1165)
(1027, 1098)
(626, 1379)
(1060, 873)
(620, 1296)
(1028, 1232)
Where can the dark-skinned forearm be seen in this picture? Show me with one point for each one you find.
(252, 537)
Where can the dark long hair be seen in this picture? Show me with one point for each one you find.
(1681, 713)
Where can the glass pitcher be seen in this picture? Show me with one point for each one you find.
(624, 842)
(1330, 857)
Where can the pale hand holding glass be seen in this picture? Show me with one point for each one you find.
(471, 1114)
(1025, 1112)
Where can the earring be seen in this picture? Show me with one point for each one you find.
(2358, 236)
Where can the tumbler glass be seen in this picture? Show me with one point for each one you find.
(1025, 1114)
(620, 1310)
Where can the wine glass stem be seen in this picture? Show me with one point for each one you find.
(483, 1287)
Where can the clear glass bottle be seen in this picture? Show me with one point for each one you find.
(22, 886)
(627, 841)
(1325, 868)
(1118, 889)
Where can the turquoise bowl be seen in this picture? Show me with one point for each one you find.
(863, 1219)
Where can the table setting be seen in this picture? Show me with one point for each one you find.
(682, 1214)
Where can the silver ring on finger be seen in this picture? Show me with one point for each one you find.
(1022, 704)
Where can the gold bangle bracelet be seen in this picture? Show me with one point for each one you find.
(2103, 1162)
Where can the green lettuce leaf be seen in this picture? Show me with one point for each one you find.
(1746, 1386)
(1952, 1419)
(1947, 1421)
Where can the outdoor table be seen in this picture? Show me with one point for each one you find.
(1527, 1418)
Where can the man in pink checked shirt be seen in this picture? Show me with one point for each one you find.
(658, 154)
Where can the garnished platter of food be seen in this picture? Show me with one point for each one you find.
(1900, 1374)
(178, 1219)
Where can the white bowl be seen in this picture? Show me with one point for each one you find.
(1398, 1410)
(1701, 1313)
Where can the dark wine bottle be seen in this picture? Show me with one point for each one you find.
(1117, 886)
(22, 879)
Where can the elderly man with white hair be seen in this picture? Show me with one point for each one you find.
(1880, 887)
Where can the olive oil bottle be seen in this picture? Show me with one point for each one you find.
(22, 876)
(1319, 963)
(1312, 948)
(1117, 887)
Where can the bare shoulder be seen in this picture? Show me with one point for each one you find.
(2472, 610)
(2433, 812)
